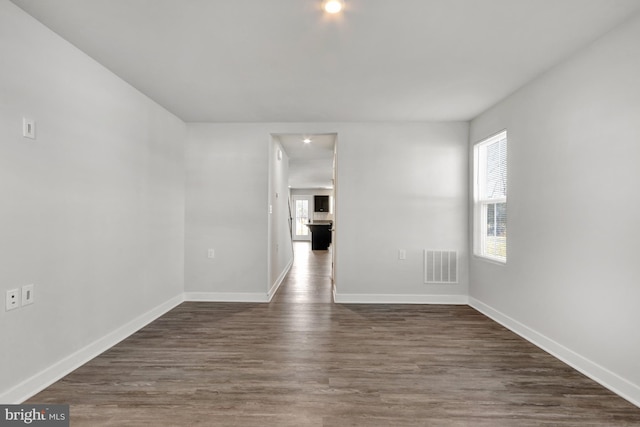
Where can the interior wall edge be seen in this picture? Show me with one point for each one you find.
(276, 284)
(226, 297)
(610, 380)
(43, 379)
(344, 298)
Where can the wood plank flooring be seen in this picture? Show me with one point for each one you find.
(303, 361)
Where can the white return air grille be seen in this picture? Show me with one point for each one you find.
(440, 266)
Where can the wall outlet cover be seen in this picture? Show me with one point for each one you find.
(12, 299)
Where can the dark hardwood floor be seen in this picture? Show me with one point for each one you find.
(304, 361)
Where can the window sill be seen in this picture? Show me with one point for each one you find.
(490, 260)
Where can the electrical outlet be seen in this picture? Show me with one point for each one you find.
(27, 295)
(402, 254)
(13, 299)
(211, 253)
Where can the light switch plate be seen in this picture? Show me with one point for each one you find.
(27, 295)
(28, 128)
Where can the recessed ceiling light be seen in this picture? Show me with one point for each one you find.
(332, 6)
(306, 140)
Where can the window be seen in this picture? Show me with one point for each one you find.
(490, 197)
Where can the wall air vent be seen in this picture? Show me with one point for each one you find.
(440, 266)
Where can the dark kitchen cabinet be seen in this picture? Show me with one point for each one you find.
(321, 203)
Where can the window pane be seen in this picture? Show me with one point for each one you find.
(496, 230)
(302, 217)
(490, 197)
(496, 180)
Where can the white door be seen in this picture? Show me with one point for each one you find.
(301, 214)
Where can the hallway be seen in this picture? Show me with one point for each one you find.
(309, 280)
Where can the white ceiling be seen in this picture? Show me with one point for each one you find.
(287, 61)
(310, 165)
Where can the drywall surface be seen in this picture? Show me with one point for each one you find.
(280, 238)
(573, 207)
(400, 186)
(92, 209)
(227, 210)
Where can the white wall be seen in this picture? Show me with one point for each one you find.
(227, 210)
(92, 210)
(401, 186)
(312, 192)
(280, 242)
(572, 278)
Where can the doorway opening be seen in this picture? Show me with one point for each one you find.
(308, 280)
(302, 170)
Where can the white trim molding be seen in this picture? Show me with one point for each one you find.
(399, 299)
(599, 374)
(226, 296)
(58, 370)
(274, 288)
(50, 375)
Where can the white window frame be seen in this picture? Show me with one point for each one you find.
(481, 201)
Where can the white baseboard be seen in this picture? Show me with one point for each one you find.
(226, 296)
(58, 370)
(599, 374)
(279, 280)
(399, 299)
(48, 376)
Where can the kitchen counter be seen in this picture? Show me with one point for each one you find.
(320, 234)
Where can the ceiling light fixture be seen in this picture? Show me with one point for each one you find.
(333, 6)
(306, 140)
